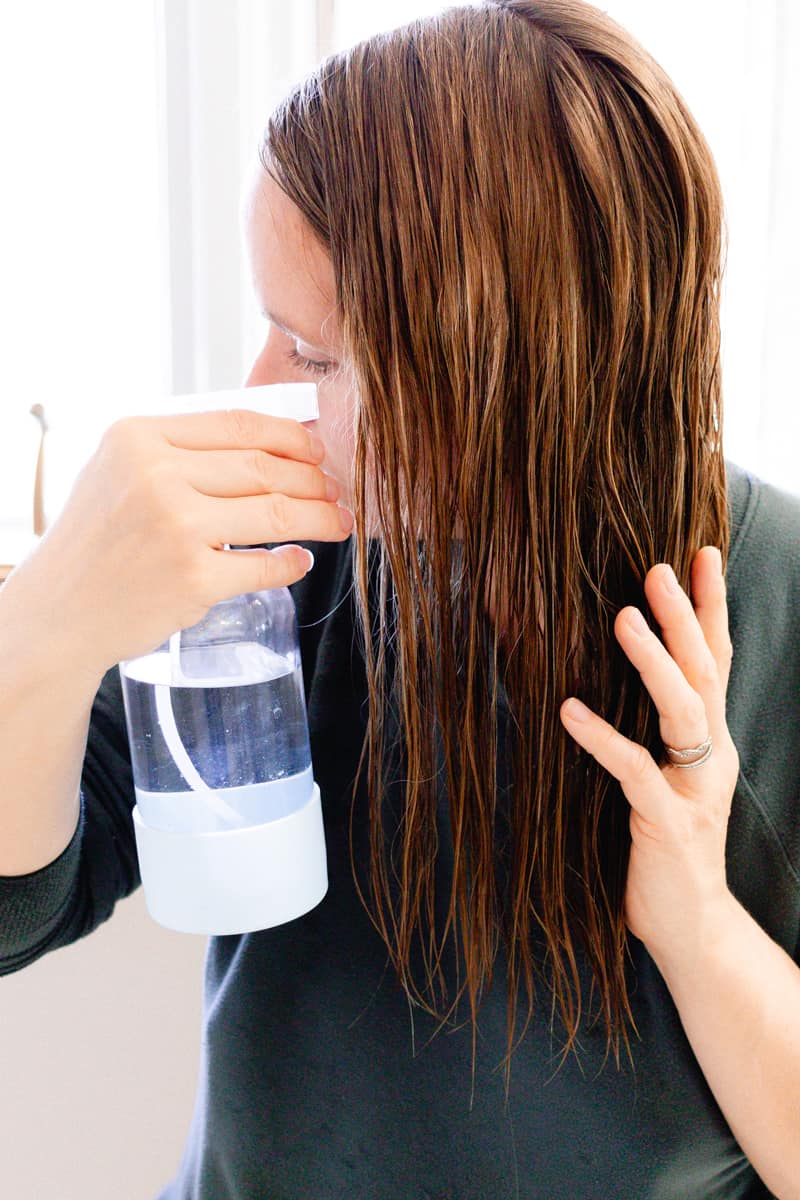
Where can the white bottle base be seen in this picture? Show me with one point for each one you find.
(237, 880)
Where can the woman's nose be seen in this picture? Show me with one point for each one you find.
(260, 373)
(264, 372)
(269, 367)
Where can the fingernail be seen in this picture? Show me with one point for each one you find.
(331, 488)
(577, 711)
(317, 445)
(669, 581)
(719, 559)
(310, 560)
(347, 519)
(637, 623)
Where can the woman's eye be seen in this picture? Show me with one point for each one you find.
(308, 364)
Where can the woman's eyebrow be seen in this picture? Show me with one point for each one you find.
(287, 329)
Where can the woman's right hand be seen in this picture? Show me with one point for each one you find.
(137, 550)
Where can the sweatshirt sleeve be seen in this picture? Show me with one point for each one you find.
(763, 705)
(75, 893)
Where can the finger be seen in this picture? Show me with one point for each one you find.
(709, 594)
(683, 722)
(253, 520)
(686, 642)
(240, 429)
(236, 572)
(230, 473)
(641, 780)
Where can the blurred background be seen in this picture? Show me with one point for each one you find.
(127, 132)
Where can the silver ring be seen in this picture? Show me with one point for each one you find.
(690, 758)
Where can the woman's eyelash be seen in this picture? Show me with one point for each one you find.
(308, 364)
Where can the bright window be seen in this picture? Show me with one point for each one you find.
(82, 278)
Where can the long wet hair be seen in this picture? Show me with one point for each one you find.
(526, 231)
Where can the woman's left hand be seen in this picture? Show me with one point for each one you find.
(677, 893)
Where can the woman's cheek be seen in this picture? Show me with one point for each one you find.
(337, 413)
(336, 426)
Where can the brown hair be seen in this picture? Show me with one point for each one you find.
(525, 226)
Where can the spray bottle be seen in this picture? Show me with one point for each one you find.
(228, 818)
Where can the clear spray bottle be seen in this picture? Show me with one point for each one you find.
(228, 818)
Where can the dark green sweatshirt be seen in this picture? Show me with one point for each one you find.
(311, 1087)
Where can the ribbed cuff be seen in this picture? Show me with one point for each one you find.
(32, 905)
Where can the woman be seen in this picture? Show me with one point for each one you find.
(494, 238)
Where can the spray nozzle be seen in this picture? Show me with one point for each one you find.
(295, 400)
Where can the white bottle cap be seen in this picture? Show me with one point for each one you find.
(295, 400)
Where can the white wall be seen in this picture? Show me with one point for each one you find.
(99, 1050)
